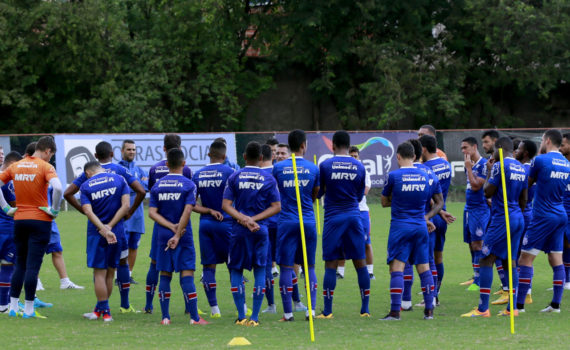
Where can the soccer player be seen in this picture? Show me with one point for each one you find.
(32, 222)
(342, 179)
(289, 246)
(407, 192)
(476, 213)
(227, 160)
(551, 172)
(104, 153)
(565, 150)
(215, 225)
(495, 239)
(7, 247)
(283, 152)
(134, 226)
(272, 143)
(155, 173)
(105, 202)
(430, 130)
(250, 197)
(172, 199)
(442, 169)
(488, 139)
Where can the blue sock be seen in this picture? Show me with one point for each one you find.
(164, 293)
(557, 284)
(364, 284)
(434, 276)
(329, 283)
(190, 296)
(296, 296)
(103, 307)
(566, 260)
(151, 282)
(269, 285)
(98, 306)
(237, 288)
(5, 278)
(428, 288)
(408, 282)
(396, 287)
(476, 258)
(286, 288)
(313, 283)
(258, 291)
(209, 282)
(503, 275)
(525, 279)
(124, 280)
(486, 281)
(440, 272)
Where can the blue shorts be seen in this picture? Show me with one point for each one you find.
(545, 233)
(100, 254)
(54, 248)
(133, 239)
(272, 251)
(365, 217)
(7, 248)
(440, 231)
(123, 243)
(248, 249)
(408, 242)
(343, 238)
(214, 238)
(495, 241)
(180, 259)
(475, 222)
(289, 245)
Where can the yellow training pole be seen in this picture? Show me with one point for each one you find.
(305, 263)
(506, 205)
(318, 209)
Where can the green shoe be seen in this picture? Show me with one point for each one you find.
(473, 288)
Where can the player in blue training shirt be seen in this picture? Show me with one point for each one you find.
(343, 180)
(105, 201)
(156, 172)
(134, 226)
(250, 197)
(289, 248)
(407, 191)
(495, 240)
(104, 153)
(215, 225)
(172, 199)
(551, 172)
(7, 247)
(565, 150)
(476, 213)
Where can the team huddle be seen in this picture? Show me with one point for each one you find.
(249, 220)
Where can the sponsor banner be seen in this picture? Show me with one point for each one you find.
(377, 150)
(73, 151)
(5, 144)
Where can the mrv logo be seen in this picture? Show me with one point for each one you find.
(411, 187)
(25, 177)
(209, 183)
(291, 183)
(103, 193)
(342, 176)
(250, 186)
(169, 196)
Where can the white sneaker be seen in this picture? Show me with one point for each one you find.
(91, 316)
(550, 309)
(70, 285)
(406, 305)
(567, 286)
(299, 307)
(40, 286)
(421, 304)
(549, 289)
(271, 309)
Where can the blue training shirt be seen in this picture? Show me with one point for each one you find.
(308, 176)
(103, 191)
(433, 181)
(136, 222)
(531, 190)
(410, 190)
(210, 182)
(6, 221)
(515, 180)
(442, 170)
(343, 179)
(476, 199)
(252, 191)
(272, 221)
(160, 169)
(109, 168)
(169, 196)
(551, 172)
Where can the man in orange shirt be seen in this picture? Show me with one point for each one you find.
(430, 130)
(32, 219)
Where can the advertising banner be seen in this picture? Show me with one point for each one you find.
(76, 150)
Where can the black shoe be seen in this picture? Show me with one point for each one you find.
(392, 316)
(245, 280)
(339, 276)
(428, 314)
(275, 274)
(132, 281)
(290, 319)
(436, 301)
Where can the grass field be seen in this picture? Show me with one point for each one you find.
(65, 327)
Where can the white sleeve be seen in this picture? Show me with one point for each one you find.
(367, 181)
(3, 202)
(57, 193)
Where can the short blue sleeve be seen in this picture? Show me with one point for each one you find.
(125, 188)
(495, 178)
(80, 180)
(229, 191)
(153, 203)
(191, 196)
(84, 196)
(8, 191)
(534, 168)
(387, 190)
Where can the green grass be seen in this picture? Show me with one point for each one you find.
(65, 327)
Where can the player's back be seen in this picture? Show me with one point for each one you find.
(551, 172)
(160, 170)
(410, 191)
(103, 191)
(252, 191)
(515, 181)
(308, 178)
(442, 170)
(476, 199)
(210, 183)
(110, 168)
(343, 180)
(433, 182)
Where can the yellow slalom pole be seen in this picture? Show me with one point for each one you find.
(509, 256)
(305, 262)
(318, 206)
